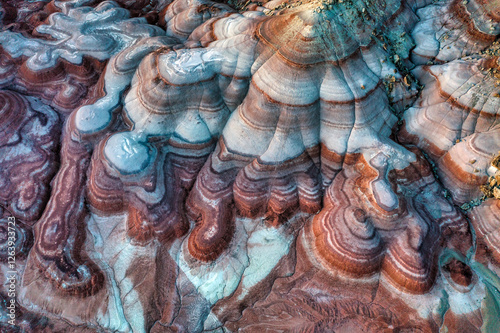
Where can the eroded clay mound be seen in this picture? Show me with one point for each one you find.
(455, 121)
(29, 145)
(449, 30)
(199, 166)
(366, 228)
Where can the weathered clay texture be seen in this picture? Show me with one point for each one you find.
(286, 166)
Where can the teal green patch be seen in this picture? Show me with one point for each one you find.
(490, 310)
(488, 277)
(444, 305)
(490, 307)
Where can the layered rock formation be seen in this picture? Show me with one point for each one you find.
(29, 144)
(450, 30)
(455, 122)
(366, 228)
(62, 65)
(199, 166)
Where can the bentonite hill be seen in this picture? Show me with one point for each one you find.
(243, 166)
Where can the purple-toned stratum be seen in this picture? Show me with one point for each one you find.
(243, 166)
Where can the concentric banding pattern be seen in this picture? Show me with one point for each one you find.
(215, 160)
(16, 240)
(30, 135)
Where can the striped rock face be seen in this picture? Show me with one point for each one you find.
(364, 229)
(456, 122)
(454, 29)
(190, 166)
